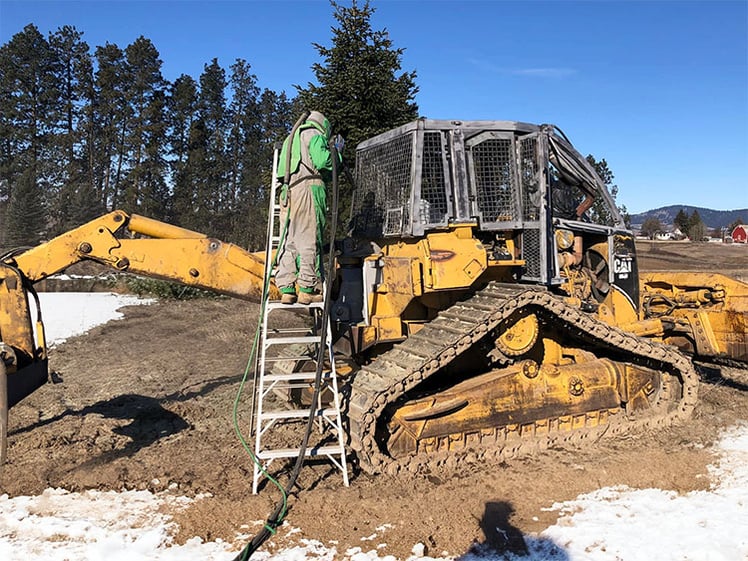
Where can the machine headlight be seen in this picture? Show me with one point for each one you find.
(564, 238)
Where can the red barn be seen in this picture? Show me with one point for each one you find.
(740, 234)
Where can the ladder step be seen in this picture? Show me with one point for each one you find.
(296, 414)
(296, 376)
(294, 452)
(291, 340)
(300, 330)
(285, 386)
(305, 354)
(291, 358)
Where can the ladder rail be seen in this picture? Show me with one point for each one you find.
(259, 360)
(258, 394)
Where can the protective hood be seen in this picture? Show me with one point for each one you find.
(315, 120)
(319, 121)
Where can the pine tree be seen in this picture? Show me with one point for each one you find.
(181, 113)
(681, 221)
(201, 186)
(88, 197)
(245, 150)
(112, 118)
(186, 209)
(28, 107)
(25, 218)
(74, 201)
(276, 116)
(696, 227)
(599, 212)
(181, 117)
(146, 135)
(213, 194)
(361, 90)
(155, 196)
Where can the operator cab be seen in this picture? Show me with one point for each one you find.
(523, 191)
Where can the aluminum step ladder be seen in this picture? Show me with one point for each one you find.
(289, 339)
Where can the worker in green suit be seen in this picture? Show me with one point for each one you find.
(304, 168)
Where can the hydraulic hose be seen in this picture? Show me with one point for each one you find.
(289, 148)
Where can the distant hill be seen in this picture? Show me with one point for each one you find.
(711, 218)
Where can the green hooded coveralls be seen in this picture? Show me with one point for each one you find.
(303, 206)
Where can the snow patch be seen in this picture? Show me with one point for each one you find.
(67, 314)
(644, 524)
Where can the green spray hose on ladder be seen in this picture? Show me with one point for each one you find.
(279, 514)
(278, 517)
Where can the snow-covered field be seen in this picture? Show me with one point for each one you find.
(610, 524)
(67, 314)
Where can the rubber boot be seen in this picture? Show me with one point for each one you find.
(288, 298)
(307, 298)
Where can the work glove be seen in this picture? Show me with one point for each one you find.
(283, 199)
(339, 143)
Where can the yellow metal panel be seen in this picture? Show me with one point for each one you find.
(621, 307)
(203, 263)
(453, 262)
(55, 255)
(15, 322)
(714, 306)
(388, 328)
(156, 229)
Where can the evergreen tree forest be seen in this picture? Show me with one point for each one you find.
(361, 86)
(84, 131)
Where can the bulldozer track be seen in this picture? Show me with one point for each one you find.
(409, 363)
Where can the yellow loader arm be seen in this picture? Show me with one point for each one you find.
(169, 252)
(116, 240)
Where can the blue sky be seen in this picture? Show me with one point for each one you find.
(657, 88)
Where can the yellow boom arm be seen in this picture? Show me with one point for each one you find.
(169, 253)
(116, 240)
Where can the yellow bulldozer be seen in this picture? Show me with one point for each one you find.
(487, 298)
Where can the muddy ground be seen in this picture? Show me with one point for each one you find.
(146, 403)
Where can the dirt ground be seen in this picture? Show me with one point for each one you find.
(728, 259)
(146, 403)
